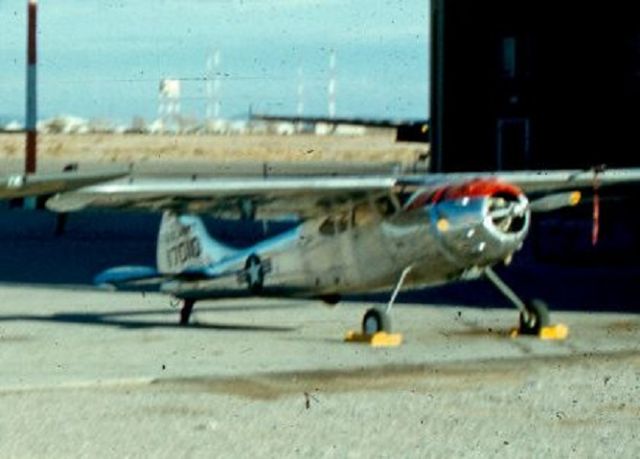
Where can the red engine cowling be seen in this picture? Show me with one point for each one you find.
(507, 207)
(476, 223)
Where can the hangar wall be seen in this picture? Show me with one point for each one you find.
(534, 84)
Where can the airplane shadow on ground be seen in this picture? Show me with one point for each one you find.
(30, 253)
(130, 320)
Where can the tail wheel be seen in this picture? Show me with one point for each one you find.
(535, 318)
(376, 320)
(185, 311)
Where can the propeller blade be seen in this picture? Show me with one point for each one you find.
(555, 201)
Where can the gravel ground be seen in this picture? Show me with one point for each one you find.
(98, 374)
(56, 150)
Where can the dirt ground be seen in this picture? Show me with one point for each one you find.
(102, 374)
(55, 150)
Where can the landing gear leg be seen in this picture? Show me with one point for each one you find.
(185, 312)
(534, 314)
(379, 320)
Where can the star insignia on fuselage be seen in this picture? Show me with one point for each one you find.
(254, 272)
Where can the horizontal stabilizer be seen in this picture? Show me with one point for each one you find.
(128, 276)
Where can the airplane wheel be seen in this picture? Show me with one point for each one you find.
(536, 318)
(376, 320)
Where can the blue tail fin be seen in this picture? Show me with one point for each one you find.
(184, 246)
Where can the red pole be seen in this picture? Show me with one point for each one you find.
(32, 114)
(595, 229)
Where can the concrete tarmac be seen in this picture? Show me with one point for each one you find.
(87, 373)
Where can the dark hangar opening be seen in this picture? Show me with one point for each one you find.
(534, 84)
(541, 84)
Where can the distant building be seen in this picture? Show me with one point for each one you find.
(13, 126)
(534, 83)
(64, 124)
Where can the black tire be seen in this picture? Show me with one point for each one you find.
(535, 319)
(376, 320)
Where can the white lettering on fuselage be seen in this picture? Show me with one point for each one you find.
(183, 245)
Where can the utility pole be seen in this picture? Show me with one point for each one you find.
(32, 104)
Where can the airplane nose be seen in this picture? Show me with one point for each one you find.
(508, 214)
(481, 230)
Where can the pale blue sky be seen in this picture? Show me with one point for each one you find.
(104, 59)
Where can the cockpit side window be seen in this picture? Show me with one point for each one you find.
(385, 206)
(328, 227)
(334, 224)
(363, 214)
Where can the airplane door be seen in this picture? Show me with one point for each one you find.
(369, 256)
(323, 253)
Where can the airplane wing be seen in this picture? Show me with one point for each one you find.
(537, 181)
(17, 186)
(228, 197)
(303, 197)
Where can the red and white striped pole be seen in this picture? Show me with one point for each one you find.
(32, 107)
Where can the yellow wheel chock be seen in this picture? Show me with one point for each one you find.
(556, 332)
(379, 339)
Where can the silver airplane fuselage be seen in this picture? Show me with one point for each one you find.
(444, 237)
